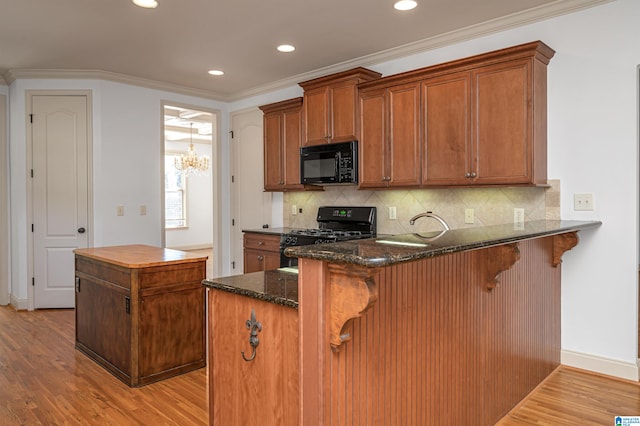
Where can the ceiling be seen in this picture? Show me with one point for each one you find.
(174, 45)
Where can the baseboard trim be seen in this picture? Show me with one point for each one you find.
(19, 304)
(610, 367)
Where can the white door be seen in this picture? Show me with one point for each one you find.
(60, 195)
(252, 205)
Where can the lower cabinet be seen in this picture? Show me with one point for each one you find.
(143, 324)
(261, 252)
(264, 390)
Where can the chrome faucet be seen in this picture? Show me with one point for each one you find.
(432, 215)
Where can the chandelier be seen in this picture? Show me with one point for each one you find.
(190, 163)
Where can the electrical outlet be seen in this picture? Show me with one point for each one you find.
(392, 213)
(583, 202)
(143, 210)
(120, 210)
(468, 216)
(294, 210)
(518, 215)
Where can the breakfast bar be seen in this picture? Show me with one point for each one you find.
(413, 329)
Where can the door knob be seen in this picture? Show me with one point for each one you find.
(81, 230)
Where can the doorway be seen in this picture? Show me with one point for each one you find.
(189, 180)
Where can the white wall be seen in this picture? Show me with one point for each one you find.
(126, 166)
(592, 147)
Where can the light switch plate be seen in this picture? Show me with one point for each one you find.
(392, 213)
(469, 216)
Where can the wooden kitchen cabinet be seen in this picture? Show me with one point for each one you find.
(140, 311)
(282, 137)
(261, 252)
(330, 111)
(486, 125)
(482, 120)
(390, 136)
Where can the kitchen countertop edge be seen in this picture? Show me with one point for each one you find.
(368, 253)
(245, 285)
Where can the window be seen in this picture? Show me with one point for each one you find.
(174, 194)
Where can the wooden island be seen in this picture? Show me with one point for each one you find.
(140, 311)
(403, 330)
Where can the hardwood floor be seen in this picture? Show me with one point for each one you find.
(44, 380)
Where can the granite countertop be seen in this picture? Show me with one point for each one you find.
(271, 231)
(384, 251)
(277, 286)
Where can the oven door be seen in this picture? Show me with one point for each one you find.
(319, 165)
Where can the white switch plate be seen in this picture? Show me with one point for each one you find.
(583, 202)
(294, 210)
(468, 216)
(518, 215)
(120, 210)
(392, 213)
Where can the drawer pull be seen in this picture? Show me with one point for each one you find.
(260, 243)
(260, 257)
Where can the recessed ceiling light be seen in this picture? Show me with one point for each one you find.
(149, 4)
(216, 72)
(286, 48)
(405, 5)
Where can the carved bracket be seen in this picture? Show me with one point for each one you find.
(499, 259)
(353, 291)
(563, 243)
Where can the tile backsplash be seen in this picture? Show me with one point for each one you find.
(492, 206)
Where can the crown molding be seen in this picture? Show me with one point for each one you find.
(548, 11)
(541, 13)
(15, 74)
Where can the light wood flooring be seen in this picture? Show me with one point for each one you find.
(44, 380)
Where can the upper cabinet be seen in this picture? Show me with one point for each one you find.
(390, 136)
(482, 121)
(330, 112)
(282, 136)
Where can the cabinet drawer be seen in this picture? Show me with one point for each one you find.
(262, 242)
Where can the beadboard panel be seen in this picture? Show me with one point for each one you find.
(439, 347)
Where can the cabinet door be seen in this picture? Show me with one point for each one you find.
(273, 179)
(316, 116)
(373, 170)
(106, 308)
(171, 330)
(503, 122)
(292, 125)
(446, 128)
(403, 154)
(256, 260)
(342, 111)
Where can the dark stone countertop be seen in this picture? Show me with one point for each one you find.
(275, 286)
(270, 231)
(384, 251)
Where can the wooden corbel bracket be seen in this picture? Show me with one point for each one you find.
(353, 291)
(499, 259)
(563, 243)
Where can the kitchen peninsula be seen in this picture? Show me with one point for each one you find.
(455, 327)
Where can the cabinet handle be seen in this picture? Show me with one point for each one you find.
(127, 304)
(386, 178)
(254, 328)
(260, 243)
(470, 175)
(77, 284)
(260, 258)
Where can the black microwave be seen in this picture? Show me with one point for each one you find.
(335, 163)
